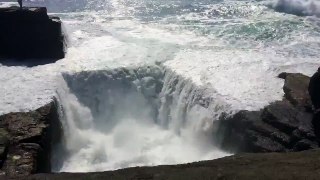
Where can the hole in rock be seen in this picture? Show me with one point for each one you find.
(121, 118)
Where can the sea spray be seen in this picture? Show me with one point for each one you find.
(130, 134)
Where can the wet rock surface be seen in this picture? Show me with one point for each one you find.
(295, 165)
(282, 126)
(25, 141)
(30, 33)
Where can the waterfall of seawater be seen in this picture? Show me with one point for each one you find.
(121, 119)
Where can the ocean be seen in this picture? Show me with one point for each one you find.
(143, 80)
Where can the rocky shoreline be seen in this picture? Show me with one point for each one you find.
(284, 126)
(26, 140)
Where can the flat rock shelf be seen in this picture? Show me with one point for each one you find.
(295, 165)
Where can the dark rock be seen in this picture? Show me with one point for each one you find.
(282, 115)
(314, 89)
(246, 132)
(3, 145)
(280, 127)
(30, 14)
(22, 159)
(265, 166)
(316, 125)
(30, 33)
(304, 144)
(30, 137)
(296, 89)
(260, 143)
(283, 75)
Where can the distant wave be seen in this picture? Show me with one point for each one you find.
(69, 5)
(298, 7)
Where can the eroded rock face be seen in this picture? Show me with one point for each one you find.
(25, 141)
(282, 126)
(30, 33)
(296, 89)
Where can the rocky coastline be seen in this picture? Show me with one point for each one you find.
(26, 140)
(282, 126)
(256, 137)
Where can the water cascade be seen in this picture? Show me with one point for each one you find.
(132, 117)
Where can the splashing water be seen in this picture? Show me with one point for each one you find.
(118, 129)
(217, 57)
(298, 7)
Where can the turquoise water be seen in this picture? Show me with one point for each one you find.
(233, 21)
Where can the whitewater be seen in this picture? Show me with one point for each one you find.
(143, 80)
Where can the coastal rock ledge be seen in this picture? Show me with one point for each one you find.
(282, 126)
(26, 141)
(30, 33)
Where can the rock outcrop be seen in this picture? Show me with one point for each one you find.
(282, 126)
(314, 89)
(30, 33)
(26, 140)
(296, 165)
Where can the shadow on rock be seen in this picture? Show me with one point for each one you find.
(26, 62)
(30, 34)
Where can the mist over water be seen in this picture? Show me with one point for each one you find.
(125, 122)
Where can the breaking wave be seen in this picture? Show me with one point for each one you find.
(298, 7)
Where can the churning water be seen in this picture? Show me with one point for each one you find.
(144, 79)
(117, 119)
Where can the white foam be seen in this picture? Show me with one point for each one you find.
(238, 75)
(97, 139)
(223, 71)
(8, 4)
